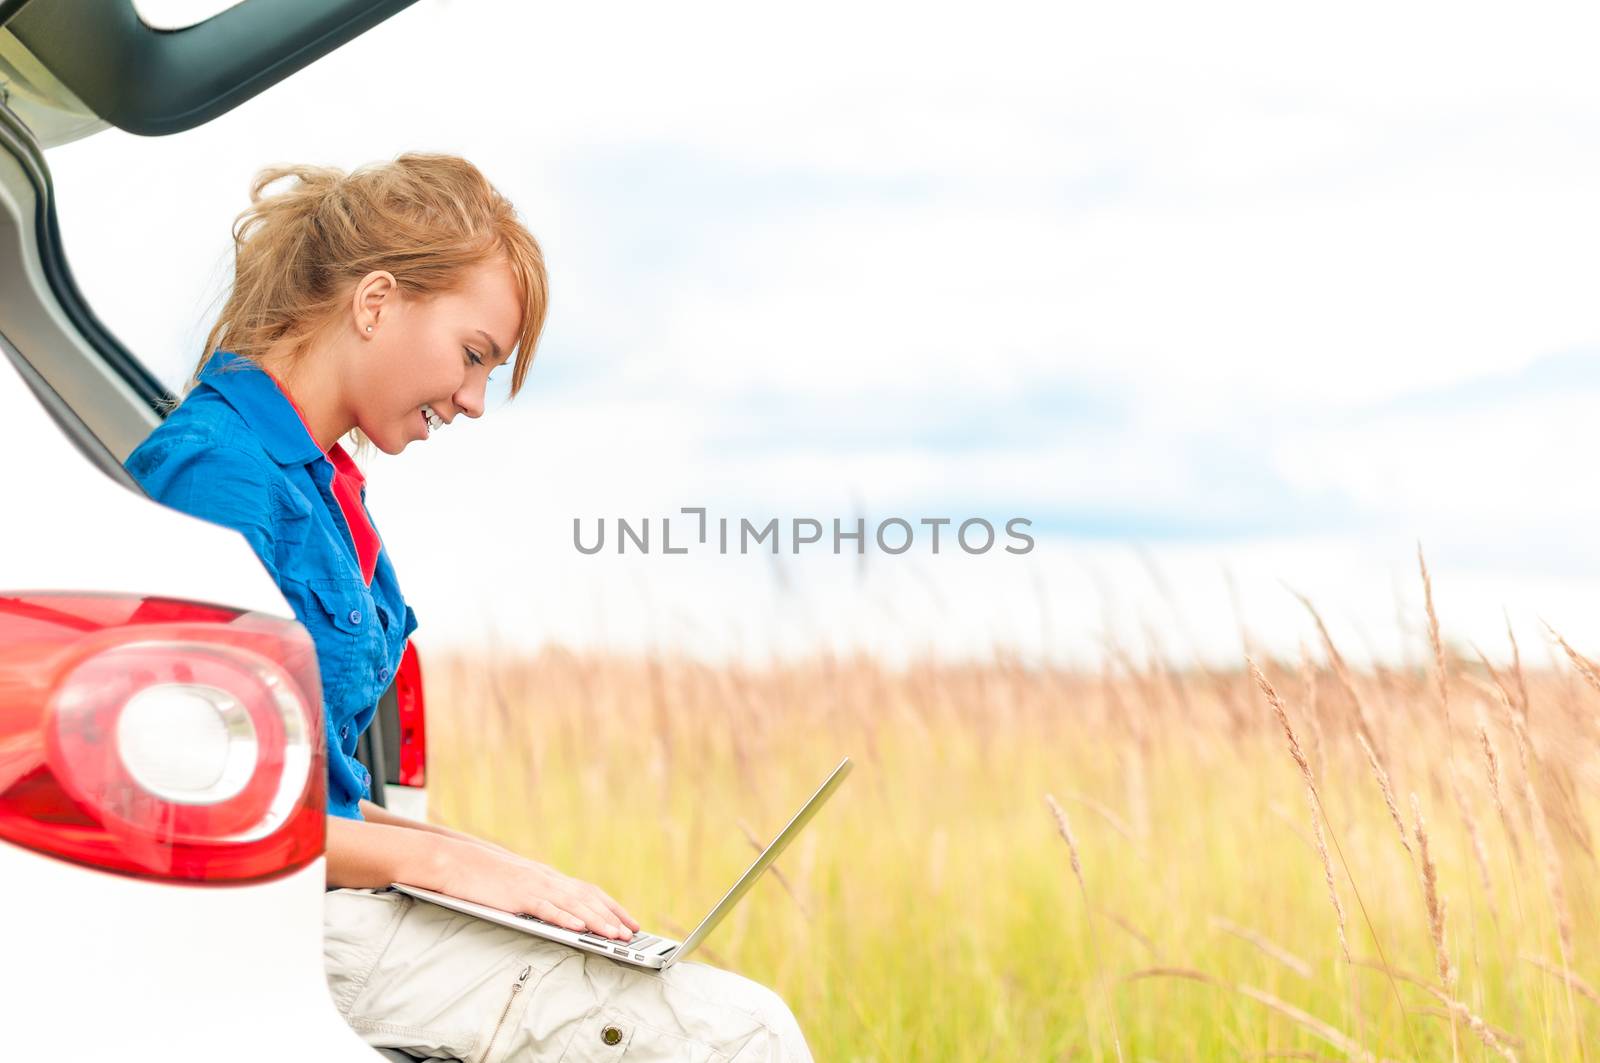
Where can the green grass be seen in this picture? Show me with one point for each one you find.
(935, 915)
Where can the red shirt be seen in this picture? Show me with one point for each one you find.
(347, 483)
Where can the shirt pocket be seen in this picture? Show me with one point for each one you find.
(347, 602)
(343, 622)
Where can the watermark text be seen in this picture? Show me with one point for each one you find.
(694, 531)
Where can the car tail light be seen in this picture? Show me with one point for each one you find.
(160, 738)
(413, 729)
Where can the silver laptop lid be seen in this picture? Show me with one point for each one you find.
(768, 855)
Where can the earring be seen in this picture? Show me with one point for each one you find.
(369, 328)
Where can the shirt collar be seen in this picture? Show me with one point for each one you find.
(251, 391)
(346, 465)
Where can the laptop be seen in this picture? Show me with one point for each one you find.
(647, 950)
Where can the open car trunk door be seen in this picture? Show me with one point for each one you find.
(156, 81)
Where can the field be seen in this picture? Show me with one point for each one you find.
(933, 912)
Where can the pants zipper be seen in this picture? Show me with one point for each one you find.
(516, 987)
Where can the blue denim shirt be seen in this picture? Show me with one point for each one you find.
(236, 453)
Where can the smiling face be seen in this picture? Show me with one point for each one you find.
(429, 353)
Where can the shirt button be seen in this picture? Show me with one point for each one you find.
(610, 1035)
(344, 731)
(355, 616)
(383, 673)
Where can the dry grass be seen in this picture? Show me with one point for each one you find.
(938, 909)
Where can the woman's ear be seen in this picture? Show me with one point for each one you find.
(376, 292)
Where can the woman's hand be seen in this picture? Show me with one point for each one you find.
(512, 883)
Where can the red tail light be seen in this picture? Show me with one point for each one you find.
(413, 730)
(160, 738)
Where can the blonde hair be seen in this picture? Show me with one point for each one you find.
(426, 218)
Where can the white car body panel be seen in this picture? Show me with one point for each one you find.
(60, 512)
(108, 967)
(408, 801)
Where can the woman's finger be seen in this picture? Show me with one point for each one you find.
(619, 910)
(551, 912)
(585, 901)
(600, 918)
(595, 899)
(594, 916)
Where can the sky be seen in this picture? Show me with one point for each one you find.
(1225, 302)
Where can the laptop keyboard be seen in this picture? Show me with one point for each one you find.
(638, 941)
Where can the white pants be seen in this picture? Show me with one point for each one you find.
(435, 983)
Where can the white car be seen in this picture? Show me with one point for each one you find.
(161, 783)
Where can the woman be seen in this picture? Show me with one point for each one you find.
(378, 303)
